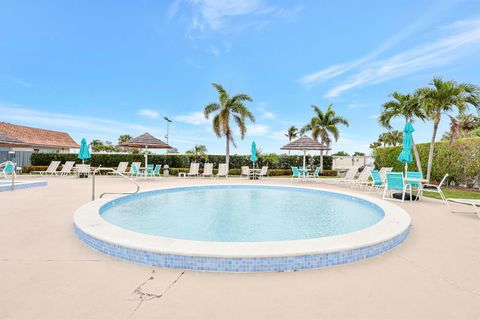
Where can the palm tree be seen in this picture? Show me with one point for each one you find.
(407, 106)
(394, 138)
(291, 134)
(375, 145)
(198, 149)
(229, 107)
(442, 98)
(461, 127)
(124, 138)
(323, 126)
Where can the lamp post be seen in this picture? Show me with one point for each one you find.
(168, 121)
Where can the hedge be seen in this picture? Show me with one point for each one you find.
(461, 160)
(183, 160)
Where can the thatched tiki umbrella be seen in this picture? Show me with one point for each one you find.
(146, 141)
(305, 144)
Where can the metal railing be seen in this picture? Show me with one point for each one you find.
(116, 172)
(14, 171)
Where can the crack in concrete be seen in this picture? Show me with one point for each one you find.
(438, 276)
(146, 296)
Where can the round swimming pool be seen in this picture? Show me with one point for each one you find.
(241, 228)
(242, 213)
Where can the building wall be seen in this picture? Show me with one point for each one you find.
(341, 162)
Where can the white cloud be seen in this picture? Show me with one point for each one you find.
(195, 118)
(279, 135)
(268, 115)
(149, 113)
(464, 39)
(23, 83)
(256, 130)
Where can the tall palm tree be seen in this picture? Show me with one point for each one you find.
(291, 134)
(407, 106)
(228, 108)
(443, 98)
(324, 126)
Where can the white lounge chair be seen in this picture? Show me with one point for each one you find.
(51, 170)
(475, 203)
(435, 188)
(122, 168)
(222, 170)
(263, 172)
(67, 168)
(362, 179)
(245, 171)
(194, 168)
(207, 170)
(350, 175)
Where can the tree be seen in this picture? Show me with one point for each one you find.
(394, 137)
(341, 154)
(198, 149)
(292, 133)
(375, 145)
(443, 98)
(461, 127)
(124, 138)
(324, 126)
(96, 142)
(407, 106)
(358, 154)
(228, 108)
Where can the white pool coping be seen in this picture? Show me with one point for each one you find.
(396, 220)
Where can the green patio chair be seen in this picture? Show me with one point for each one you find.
(295, 174)
(395, 182)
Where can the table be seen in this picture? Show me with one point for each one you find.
(252, 174)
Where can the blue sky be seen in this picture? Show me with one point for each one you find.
(98, 69)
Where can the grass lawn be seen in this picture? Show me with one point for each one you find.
(455, 193)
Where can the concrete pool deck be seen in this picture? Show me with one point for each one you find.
(47, 273)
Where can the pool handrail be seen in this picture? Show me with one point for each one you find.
(114, 171)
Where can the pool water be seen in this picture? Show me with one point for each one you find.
(242, 213)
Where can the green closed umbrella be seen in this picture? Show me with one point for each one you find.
(406, 154)
(84, 152)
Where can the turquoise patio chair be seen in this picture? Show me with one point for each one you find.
(8, 170)
(156, 171)
(295, 174)
(415, 175)
(395, 182)
(150, 167)
(316, 173)
(377, 181)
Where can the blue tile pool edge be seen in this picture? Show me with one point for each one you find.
(261, 264)
(23, 185)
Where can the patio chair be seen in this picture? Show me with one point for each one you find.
(7, 169)
(363, 178)
(377, 181)
(194, 168)
(475, 203)
(134, 169)
(263, 172)
(316, 173)
(384, 171)
(395, 182)
(67, 168)
(245, 171)
(350, 175)
(83, 169)
(296, 174)
(51, 170)
(222, 170)
(122, 168)
(207, 170)
(156, 171)
(436, 188)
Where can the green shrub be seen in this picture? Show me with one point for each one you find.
(184, 160)
(461, 160)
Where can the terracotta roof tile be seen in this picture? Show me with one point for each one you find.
(34, 137)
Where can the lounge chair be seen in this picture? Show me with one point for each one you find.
(296, 174)
(222, 170)
(263, 172)
(67, 168)
(51, 170)
(362, 178)
(396, 182)
(377, 181)
(207, 170)
(245, 171)
(194, 168)
(436, 188)
(122, 168)
(384, 171)
(350, 175)
(475, 203)
(7, 169)
(134, 169)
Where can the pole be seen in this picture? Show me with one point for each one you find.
(146, 162)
